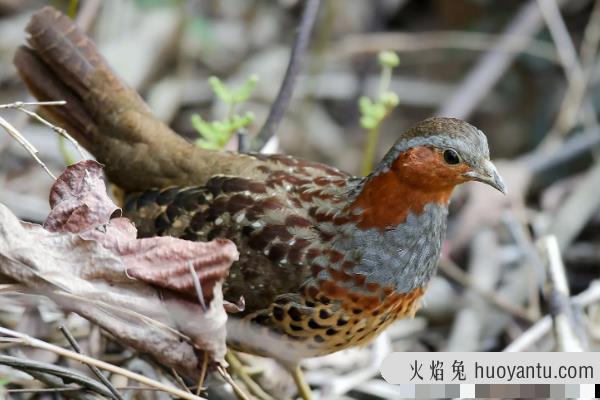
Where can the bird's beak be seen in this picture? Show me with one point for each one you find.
(487, 173)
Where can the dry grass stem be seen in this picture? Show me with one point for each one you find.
(21, 106)
(26, 340)
(238, 369)
(236, 389)
(95, 370)
(16, 135)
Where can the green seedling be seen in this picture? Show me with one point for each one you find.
(373, 112)
(216, 134)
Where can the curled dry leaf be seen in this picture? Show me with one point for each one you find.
(78, 199)
(93, 265)
(165, 261)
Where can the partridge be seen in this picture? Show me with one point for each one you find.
(327, 260)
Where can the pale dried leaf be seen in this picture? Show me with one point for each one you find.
(88, 262)
(78, 199)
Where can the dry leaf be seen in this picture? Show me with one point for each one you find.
(87, 264)
(78, 199)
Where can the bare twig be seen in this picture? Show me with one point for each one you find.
(41, 369)
(492, 65)
(536, 268)
(539, 162)
(564, 45)
(15, 134)
(565, 323)
(590, 296)
(354, 380)
(531, 335)
(180, 381)
(239, 370)
(577, 209)
(86, 16)
(95, 370)
(237, 390)
(26, 340)
(20, 105)
(202, 375)
(74, 389)
(453, 272)
(354, 44)
(591, 38)
(282, 100)
(577, 73)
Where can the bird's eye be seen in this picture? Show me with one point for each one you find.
(451, 157)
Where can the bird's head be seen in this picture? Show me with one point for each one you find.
(423, 167)
(440, 153)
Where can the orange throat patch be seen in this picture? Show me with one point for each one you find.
(416, 178)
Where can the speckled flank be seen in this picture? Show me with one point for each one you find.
(317, 264)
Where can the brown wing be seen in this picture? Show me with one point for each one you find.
(268, 218)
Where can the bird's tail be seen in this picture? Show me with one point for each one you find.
(104, 114)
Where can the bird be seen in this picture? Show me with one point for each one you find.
(328, 260)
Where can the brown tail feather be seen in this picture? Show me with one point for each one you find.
(103, 113)
(73, 117)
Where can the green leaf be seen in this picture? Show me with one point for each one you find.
(368, 122)
(238, 122)
(243, 93)
(378, 111)
(205, 129)
(390, 100)
(364, 104)
(388, 59)
(220, 90)
(222, 126)
(208, 145)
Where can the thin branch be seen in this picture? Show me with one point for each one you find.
(15, 134)
(591, 39)
(17, 337)
(87, 14)
(236, 366)
(577, 209)
(75, 389)
(361, 43)
(492, 65)
(202, 375)
(20, 105)
(238, 391)
(180, 381)
(560, 35)
(561, 310)
(95, 370)
(590, 296)
(577, 73)
(309, 15)
(17, 104)
(43, 370)
(453, 272)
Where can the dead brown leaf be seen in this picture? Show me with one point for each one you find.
(95, 266)
(78, 199)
